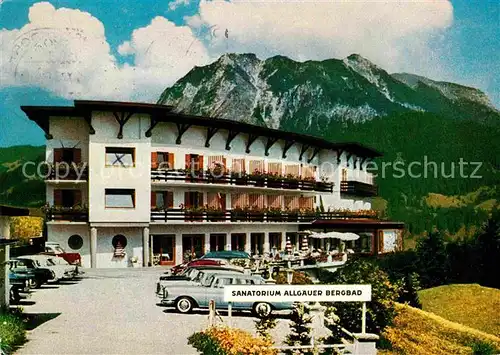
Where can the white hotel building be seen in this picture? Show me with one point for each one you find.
(147, 185)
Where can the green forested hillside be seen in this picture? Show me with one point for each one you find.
(424, 202)
(20, 188)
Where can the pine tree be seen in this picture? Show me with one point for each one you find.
(300, 329)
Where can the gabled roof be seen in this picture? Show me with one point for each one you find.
(164, 113)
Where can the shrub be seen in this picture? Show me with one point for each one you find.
(299, 278)
(225, 340)
(12, 330)
(300, 328)
(380, 311)
(433, 262)
(483, 348)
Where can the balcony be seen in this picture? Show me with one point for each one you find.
(250, 180)
(67, 172)
(247, 215)
(357, 188)
(66, 214)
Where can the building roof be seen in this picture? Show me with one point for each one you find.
(164, 113)
(355, 223)
(13, 211)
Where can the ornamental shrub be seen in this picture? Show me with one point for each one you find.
(299, 278)
(12, 330)
(225, 341)
(380, 311)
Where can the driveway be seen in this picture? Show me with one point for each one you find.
(114, 311)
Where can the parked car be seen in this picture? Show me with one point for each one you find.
(193, 276)
(52, 248)
(61, 271)
(31, 267)
(19, 284)
(177, 269)
(187, 297)
(226, 254)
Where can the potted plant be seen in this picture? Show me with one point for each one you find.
(215, 214)
(291, 182)
(274, 180)
(239, 178)
(292, 215)
(238, 214)
(194, 214)
(258, 178)
(256, 214)
(275, 214)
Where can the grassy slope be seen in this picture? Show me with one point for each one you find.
(471, 305)
(418, 332)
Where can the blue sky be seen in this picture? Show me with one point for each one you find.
(137, 48)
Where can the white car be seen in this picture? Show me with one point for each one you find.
(59, 266)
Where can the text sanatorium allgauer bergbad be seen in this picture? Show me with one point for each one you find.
(295, 293)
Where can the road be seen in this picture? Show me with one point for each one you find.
(114, 311)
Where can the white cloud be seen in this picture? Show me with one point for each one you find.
(327, 29)
(178, 3)
(66, 52)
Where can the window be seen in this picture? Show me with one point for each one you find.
(119, 241)
(68, 155)
(120, 198)
(67, 198)
(75, 242)
(193, 199)
(122, 157)
(162, 160)
(162, 199)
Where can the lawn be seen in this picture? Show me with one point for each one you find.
(471, 305)
(418, 332)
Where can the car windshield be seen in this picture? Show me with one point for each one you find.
(198, 277)
(208, 281)
(50, 262)
(192, 274)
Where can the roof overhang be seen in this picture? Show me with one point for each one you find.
(162, 113)
(353, 224)
(14, 211)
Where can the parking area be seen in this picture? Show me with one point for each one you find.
(111, 311)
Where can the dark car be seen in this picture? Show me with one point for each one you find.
(177, 269)
(19, 283)
(31, 267)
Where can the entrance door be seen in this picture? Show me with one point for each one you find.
(192, 246)
(164, 249)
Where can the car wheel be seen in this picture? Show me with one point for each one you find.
(184, 305)
(262, 309)
(15, 297)
(34, 283)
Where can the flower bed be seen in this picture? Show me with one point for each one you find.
(12, 331)
(225, 340)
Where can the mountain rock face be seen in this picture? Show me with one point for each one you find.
(279, 92)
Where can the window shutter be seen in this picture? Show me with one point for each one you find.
(169, 199)
(224, 162)
(187, 202)
(200, 163)
(200, 199)
(77, 197)
(380, 241)
(154, 160)
(153, 199)
(58, 155)
(222, 201)
(188, 161)
(58, 198)
(170, 160)
(77, 155)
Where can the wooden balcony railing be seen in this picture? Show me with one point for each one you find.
(242, 180)
(67, 214)
(357, 188)
(173, 215)
(79, 172)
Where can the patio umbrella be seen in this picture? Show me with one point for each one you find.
(336, 235)
(288, 245)
(305, 245)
